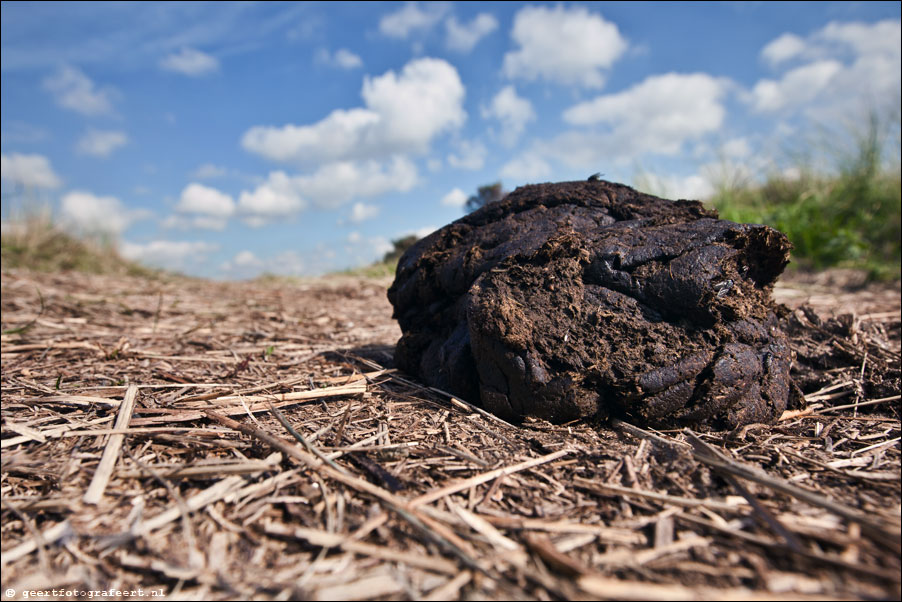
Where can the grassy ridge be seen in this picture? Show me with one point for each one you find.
(37, 243)
(848, 218)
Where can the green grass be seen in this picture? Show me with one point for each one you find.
(847, 217)
(35, 242)
(380, 269)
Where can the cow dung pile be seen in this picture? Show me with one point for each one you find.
(590, 299)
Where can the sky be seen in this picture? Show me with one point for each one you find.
(228, 140)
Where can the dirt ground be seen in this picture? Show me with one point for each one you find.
(206, 440)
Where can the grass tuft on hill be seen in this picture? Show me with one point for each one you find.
(849, 217)
(35, 242)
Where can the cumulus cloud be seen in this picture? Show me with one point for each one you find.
(736, 148)
(202, 207)
(410, 18)
(94, 214)
(695, 186)
(28, 171)
(197, 198)
(246, 259)
(839, 69)
(783, 48)
(361, 212)
(881, 38)
(513, 111)
(277, 197)
(330, 186)
(424, 231)
(341, 58)
(208, 171)
(569, 46)
(74, 90)
(380, 246)
(456, 198)
(403, 113)
(243, 265)
(657, 115)
(796, 87)
(335, 184)
(101, 143)
(365, 250)
(528, 167)
(463, 37)
(468, 155)
(168, 254)
(190, 62)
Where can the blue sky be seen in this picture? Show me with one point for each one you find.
(231, 139)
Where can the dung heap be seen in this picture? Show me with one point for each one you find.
(583, 299)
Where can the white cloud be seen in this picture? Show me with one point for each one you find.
(246, 264)
(342, 58)
(203, 207)
(528, 167)
(403, 113)
(567, 46)
(200, 199)
(513, 111)
(208, 171)
(94, 214)
(455, 198)
(840, 69)
(28, 171)
(736, 148)
(101, 143)
(277, 197)
(339, 135)
(361, 212)
(190, 62)
(798, 86)
(289, 263)
(74, 90)
(168, 254)
(380, 246)
(189, 222)
(330, 186)
(366, 250)
(881, 38)
(425, 99)
(424, 231)
(401, 23)
(463, 37)
(656, 115)
(786, 47)
(243, 265)
(337, 183)
(246, 259)
(469, 155)
(695, 187)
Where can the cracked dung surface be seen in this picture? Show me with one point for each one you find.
(580, 299)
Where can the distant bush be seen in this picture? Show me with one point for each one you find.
(485, 195)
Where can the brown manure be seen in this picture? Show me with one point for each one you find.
(582, 299)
